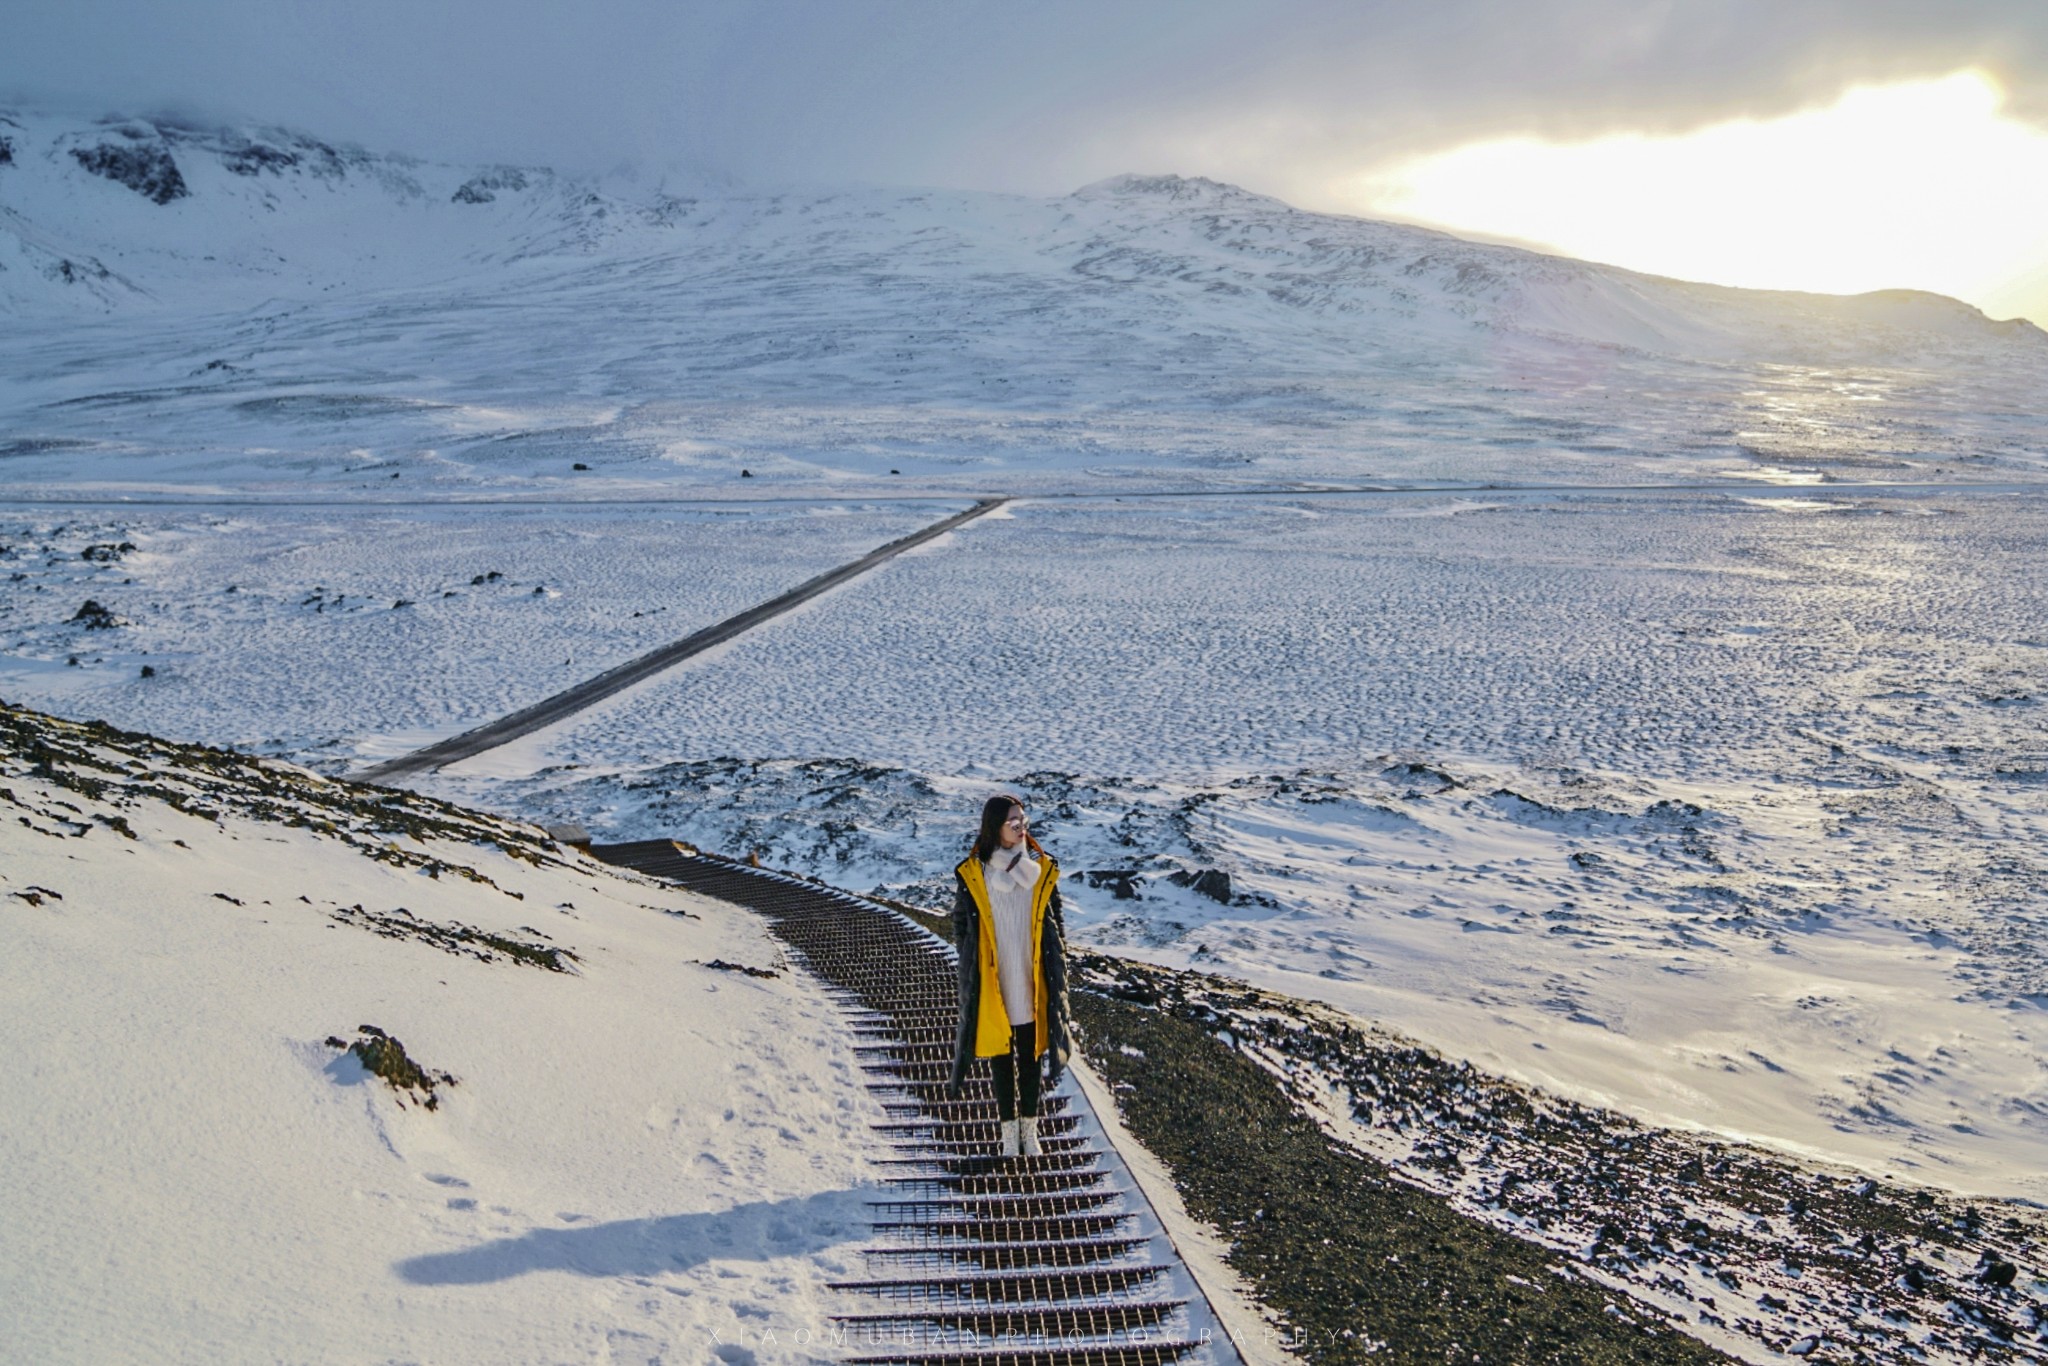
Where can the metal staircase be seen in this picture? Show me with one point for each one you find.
(1053, 1261)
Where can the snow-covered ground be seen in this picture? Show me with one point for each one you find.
(642, 1156)
(350, 634)
(1719, 809)
(1718, 806)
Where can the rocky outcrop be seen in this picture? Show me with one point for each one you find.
(143, 164)
(272, 152)
(95, 617)
(482, 188)
(1213, 883)
(383, 1056)
(254, 158)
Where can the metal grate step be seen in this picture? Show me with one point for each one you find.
(1005, 1256)
(1132, 1354)
(1062, 1321)
(947, 1232)
(1017, 1288)
(980, 1164)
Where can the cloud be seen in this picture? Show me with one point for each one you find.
(1283, 96)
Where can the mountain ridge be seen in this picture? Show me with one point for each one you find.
(286, 304)
(261, 189)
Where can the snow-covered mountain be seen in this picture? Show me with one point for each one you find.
(259, 307)
(127, 211)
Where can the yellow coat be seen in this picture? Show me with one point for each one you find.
(984, 1024)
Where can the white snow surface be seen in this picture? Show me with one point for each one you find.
(643, 1158)
(1719, 809)
(350, 635)
(1448, 746)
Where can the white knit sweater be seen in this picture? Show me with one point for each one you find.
(1009, 898)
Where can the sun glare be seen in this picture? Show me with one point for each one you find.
(1926, 185)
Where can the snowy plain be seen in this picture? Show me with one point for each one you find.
(1719, 804)
(1720, 810)
(351, 634)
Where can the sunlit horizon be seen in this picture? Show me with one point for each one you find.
(1918, 185)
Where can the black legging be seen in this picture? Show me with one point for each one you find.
(1004, 1072)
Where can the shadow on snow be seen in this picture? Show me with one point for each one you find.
(642, 1247)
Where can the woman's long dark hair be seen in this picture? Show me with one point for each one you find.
(993, 813)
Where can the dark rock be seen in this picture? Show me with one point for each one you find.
(146, 168)
(254, 158)
(1213, 883)
(724, 966)
(105, 554)
(1122, 882)
(1997, 1273)
(67, 271)
(465, 941)
(383, 1056)
(95, 617)
(481, 189)
(149, 671)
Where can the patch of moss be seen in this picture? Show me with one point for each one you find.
(457, 938)
(723, 966)
(385, 1057)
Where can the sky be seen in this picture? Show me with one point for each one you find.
(1360, 106)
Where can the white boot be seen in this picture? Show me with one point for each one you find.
(1009, 1148)
(1027, 1136)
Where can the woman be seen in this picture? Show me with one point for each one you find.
(1013, 969)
